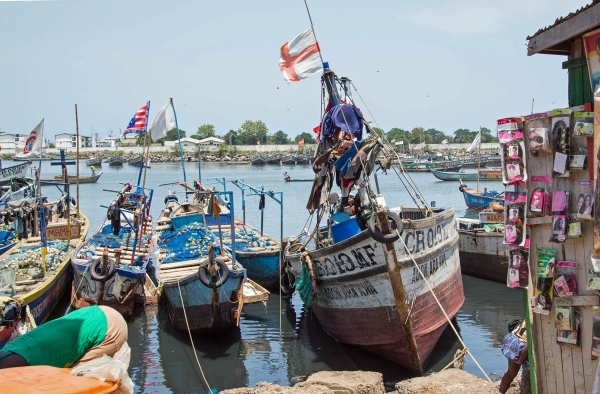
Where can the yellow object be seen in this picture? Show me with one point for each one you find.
(51, 380)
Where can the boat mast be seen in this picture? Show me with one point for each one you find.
(179, 139)
(478, 158)
(77, 158)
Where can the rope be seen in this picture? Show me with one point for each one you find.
(78, 287)
(442, 308)
(459, 359)
(191, 339)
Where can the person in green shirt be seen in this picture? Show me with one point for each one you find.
(80, 336)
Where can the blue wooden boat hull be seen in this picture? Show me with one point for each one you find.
(206, 309)
(479, 201)
(457, 176)
(261, 267)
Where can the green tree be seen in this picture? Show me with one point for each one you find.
(436, 136)
(143, 139)
(464, 136)
(418, 135)
(397, 135)
(171, 136)
(232, 137)
(308, 138)
(253, 132)
(280, 138)
(205, 131)
(486, 135)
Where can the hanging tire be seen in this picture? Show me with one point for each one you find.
(214, 282)
(288, 282)
(395, 224)
(171, 198)
(96, 273)
(462, 187)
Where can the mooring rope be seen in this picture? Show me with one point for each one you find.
(191, 339)
(465, 348)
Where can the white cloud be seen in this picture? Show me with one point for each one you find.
(470, 18)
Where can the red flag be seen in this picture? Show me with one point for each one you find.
(301, 142)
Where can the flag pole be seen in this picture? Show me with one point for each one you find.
(478, 158)
(179, 138)
(313, 30)
(77, 161)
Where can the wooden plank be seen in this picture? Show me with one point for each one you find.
(577, 62)
(539, 220)
(572, 27)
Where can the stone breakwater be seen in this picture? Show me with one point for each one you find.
(165, 157)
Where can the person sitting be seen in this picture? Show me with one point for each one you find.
(80, 336)
(286, 176)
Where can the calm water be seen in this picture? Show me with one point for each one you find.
(282, 342)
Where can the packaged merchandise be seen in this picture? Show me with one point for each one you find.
(515, 205)
(518, 267)
(584, 124)
(537, 127)
(546, 262)
(543, 295)
(560, 215)
(561, 127)
(585, 201)
(539, 203)
(512, 148)
(565, 279)
(565, 318)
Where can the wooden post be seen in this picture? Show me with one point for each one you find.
(400, 296)
(77, 161)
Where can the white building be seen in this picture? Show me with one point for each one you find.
(65, 140)
(211, 141)
(8, 142)
(191, 144)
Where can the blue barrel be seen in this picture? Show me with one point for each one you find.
(343, 230)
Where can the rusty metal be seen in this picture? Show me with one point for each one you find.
(400, 296)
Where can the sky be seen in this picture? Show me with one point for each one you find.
(434, 64)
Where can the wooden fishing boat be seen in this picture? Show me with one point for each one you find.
(204, 288)
(288, 159)
(474, 162)
(16, 171)
(115, 161)
(476, 199)
(273, 159)
(136, 160)
(34, 157)
(18, 188)
(94, 161)
(258, 159)
(73, 178)
(110, 267)
(239, 162)
(483, 254)
(482, 175)
(297, 180)
(303, 159)
(33, 294)
(359, 274)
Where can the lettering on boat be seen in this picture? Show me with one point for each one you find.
(61, 232)
(423, 240)
(429, 268)
(358, 289)
(347, 261)
(12, 171)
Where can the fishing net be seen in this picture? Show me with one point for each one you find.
(304, 286)
(188, 242)
(27, 262)
(246, 238)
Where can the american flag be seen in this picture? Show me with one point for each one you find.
(139, 122)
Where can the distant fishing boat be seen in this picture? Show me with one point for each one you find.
(303, 159)
(258, 159)
(136, 160)
(474, 162)
(95, 161)
(273, 159)
(238, 162)
(482, 175)
(73, 178)
(115, 161)
(480, 200)
(288, 159)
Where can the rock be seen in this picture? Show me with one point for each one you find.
(449, 381)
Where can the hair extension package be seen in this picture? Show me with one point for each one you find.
(515, 213)
(561, 127)
(539, 203)
(560, 215)
(512, 148)
(537, 127)
(544, 291)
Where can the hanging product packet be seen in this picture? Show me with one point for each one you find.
(578, 159)
(518, 267)
(565, 279)
(565, 318)
(585, 201)
(515, 212)
(537, 127)
(574, 227)
(539, 202)
(570, 337)
(544, 291)
(512, 150)
(584, 124)
(595, 332)
(560, 216)
(561, 129)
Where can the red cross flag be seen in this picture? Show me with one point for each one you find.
(300, 58)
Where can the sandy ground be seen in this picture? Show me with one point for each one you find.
(362, 382)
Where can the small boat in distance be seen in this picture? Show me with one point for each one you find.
(273, 159)
(94, 161)
(490, 174)
(136, 160)
(288, 159)
(73, 178)
(258, 159)
(115, 161)
(303, 159)
(476, 199)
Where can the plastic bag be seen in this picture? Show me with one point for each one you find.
(560, 215)
(539, 203)
(584, 124)
(585, 201)
(561, 143)
(515, 215)
(518, 267)
(512, 148)
(112, 369)
(565, 279)
(538, 127)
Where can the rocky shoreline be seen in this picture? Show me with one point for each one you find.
(165, 157)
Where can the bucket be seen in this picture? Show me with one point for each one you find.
(339, 217)
(343, 230)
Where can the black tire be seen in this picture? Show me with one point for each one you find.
(96, 274)
(214, 282)
(395, 224)
(462, 188)
(288, 282)
(171, 198)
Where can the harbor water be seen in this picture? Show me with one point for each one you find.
(281, 341)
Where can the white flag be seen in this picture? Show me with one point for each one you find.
(300, 58)
(33, 143)
(445, 141)
(163, 121)
(475, 141)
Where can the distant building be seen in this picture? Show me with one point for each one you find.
(66, 140)
(211, 141)
(191, 144)
(8, 142)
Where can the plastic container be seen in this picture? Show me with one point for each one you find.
(341, 231)
(340, 217)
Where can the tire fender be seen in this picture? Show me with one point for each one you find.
(97, 266)
(288, 281)
(214, 282)
(396, 224)
(171, 198)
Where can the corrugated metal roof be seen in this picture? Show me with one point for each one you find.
(564, 18)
